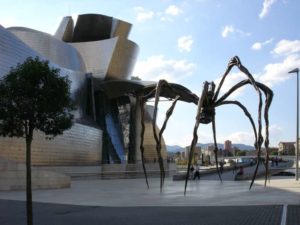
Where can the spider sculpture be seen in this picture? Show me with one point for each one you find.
(206, 105)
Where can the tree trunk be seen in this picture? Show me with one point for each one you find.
(28, 180)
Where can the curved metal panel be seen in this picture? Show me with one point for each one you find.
(65, 30)
(92, 27)
(120, 28)
(51, 48)
(123, 59)
(96, 55)
(12, 51)
(112, 58)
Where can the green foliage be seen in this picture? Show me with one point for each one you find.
(274, 153)
(35, 96)
(240, 153)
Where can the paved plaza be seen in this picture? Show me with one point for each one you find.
(128, 201)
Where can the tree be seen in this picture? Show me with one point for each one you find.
(34, 96)
(241, 153)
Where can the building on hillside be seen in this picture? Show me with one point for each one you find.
(273, 151)
(228, 150)
(197, 152)
(98, 58)
(286, 148)
(208, 155)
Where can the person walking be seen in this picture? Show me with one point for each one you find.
(221, 167)
(192, 172)
(197, 172)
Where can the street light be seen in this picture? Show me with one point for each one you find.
(297, 116)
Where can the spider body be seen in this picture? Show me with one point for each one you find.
(207, 110)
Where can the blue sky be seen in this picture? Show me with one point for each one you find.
(190, 42)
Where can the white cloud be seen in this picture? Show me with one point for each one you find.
(170, 12)
(242, 137)
(227, 30)
(173, 10)
(157, 67)
(143, 14)
(247, 137)
(275, 73)
(231, 30)
(275, 134)
(186, 138)
(259, 45)
(266, 7)
(286, 47)
(184, 43)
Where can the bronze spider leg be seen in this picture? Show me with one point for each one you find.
(216, 147)
(142, 108)
(235, 61)
(260, 137)
(269, 96)
(158, 137)
(195, 136)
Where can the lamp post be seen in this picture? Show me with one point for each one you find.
(297, 116)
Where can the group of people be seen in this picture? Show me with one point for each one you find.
(274, 161)
(195, 172)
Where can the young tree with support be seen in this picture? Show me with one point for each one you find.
(34, 97)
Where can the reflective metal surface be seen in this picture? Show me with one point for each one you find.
(81, 145)
(65, 30)
(54, 50)
(89, 52)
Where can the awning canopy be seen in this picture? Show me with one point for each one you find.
(119, 88)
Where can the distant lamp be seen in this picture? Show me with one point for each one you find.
(296, 70)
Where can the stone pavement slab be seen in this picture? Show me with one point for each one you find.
(13, 212)
(128, 201)
(133, 192)
(293, 215)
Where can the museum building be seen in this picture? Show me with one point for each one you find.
(98, 58)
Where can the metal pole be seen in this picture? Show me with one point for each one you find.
(297, 140)
(297, 131)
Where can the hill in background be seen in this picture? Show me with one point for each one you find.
(177, 148)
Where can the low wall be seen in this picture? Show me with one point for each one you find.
(13, 177)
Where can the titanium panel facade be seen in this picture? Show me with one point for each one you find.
(92, 51)
(56, 51)
(65, 30)
(81, 145)
(112, 58)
